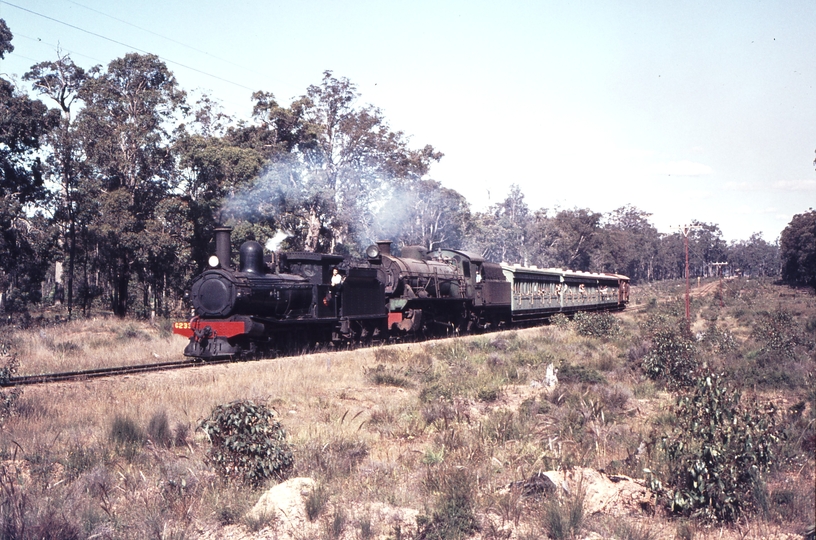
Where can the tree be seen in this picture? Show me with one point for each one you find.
(706, 246)
(575, 237)
(754, 257)
(5, 39)
(125, 139)
(342, 159)
(797, 247)
(61, 81)
(216, 165)
(23, 124)
(628, 244)
(425, 213)
(500, 233)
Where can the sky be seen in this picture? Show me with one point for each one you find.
(693, 110)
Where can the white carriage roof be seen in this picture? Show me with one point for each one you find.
(517, 268)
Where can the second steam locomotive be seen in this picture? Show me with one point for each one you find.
(279, 301)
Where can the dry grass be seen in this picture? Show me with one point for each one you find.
(94, 343)
(471, 404)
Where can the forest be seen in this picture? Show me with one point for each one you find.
(113, 181)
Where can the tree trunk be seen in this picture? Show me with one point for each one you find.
(313, 234)
(122, 281)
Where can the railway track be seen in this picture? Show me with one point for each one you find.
(27, 380)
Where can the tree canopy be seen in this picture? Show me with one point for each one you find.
(797, 247)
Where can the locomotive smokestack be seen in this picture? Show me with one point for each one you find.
(222, 246)
(385, 247)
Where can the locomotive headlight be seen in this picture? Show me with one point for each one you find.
(372, 252)
(213, 261)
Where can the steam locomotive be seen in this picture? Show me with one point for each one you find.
(280, 301)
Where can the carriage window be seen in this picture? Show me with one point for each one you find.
(466, 268)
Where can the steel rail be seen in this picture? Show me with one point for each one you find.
(26, 380)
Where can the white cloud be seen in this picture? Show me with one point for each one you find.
(795, 185)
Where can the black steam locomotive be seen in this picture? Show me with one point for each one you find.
(281, 301)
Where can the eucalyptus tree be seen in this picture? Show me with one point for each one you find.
(754, 257)
(61, 80)
(341, 159)
(797, 247)
(127, 144)
(423, 212)
(23, 124)
(574, 239)
(501, 233)
(217, 161)
(706, 246)
(628, 244)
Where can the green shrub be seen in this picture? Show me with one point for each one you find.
(716, 452)
(597, 324)
(719, 341)
(778, 334)
(576, 373)
(672, 357)
(559, 320)
(10, 363)
(248, 444)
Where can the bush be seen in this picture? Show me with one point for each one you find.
(576, 373)
(672, 357)
(8, 398)
(777, 333)
(716, 452)
(597, 324)
(719, 341)
(559, 320)
(248, 444)
(387, 376)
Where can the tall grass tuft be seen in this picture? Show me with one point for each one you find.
(158, 429)
(126, 435)
(453, 516)
(564, 516)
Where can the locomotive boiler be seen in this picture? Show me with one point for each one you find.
(442, 291)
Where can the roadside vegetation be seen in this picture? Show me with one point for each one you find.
(715, 419)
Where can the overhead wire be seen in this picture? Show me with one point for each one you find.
(192, 48)
(56, 46)
(95, 34)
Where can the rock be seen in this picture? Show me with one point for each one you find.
(551, 377)
(283, 505)
(538, 483)
(612, 495)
